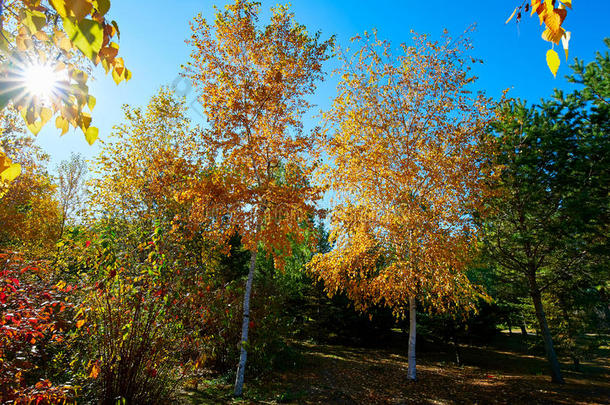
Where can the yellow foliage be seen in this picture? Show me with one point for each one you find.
(253, 84)
(146, 161)
(29, 213)
(403, 135)
(551, 13)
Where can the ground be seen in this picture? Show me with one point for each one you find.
(334, 374)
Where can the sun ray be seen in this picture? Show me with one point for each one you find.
(41, 81)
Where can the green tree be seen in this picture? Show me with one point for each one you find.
(549, 219)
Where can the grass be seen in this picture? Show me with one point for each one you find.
(499, 373)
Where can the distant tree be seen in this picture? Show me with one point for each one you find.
(71, 188)
(551, 214)
(9, 170)
(253, 84)
(403, 136)
(29, 211)
(145, 162)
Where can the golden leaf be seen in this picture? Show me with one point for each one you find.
(91, 135)
(511, 16)
(10, 173)
(95, 371)
(552, 60)
(553, 36)
(565, 41)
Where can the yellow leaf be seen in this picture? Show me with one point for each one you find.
(62, 123)
(80, 323)
(45, 115)
(116, 76)
(79, 8)
(91, 101)
(35, 127)
(552, 60)
(512, 15)
(11, 173)
(568, 3)
(565, 41)
(5, 162)
(95, 371)
(535, 5)
(60, 7)
(553, 36)
(85, 121)
(91, 134)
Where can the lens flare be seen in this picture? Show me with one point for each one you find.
(41, 81)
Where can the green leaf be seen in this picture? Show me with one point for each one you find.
(103, 6)
(116, 27)
(34, 20)
(91, 134)
(87, 36)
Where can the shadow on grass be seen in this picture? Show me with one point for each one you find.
(333, 374)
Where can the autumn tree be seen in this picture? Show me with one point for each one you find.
(145, 162)
(29, 212)
(71, 189)
(403, 138)
(254, 84)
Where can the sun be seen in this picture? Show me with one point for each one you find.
(41, 81)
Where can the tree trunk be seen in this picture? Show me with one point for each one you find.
(241, 367)
(456, 345)
(411, 371)
(571, 332)
(510, 325)
(576, 361)
(545, 332)
(523, 326)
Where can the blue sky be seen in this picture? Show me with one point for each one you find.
(153, 34)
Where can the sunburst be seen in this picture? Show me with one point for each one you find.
(42, 81)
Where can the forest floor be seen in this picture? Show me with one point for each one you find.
(334, 374)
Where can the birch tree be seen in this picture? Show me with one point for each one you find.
(254, 85)
(403, 135)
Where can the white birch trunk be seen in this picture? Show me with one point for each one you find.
(241, 367)
(411, 372)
